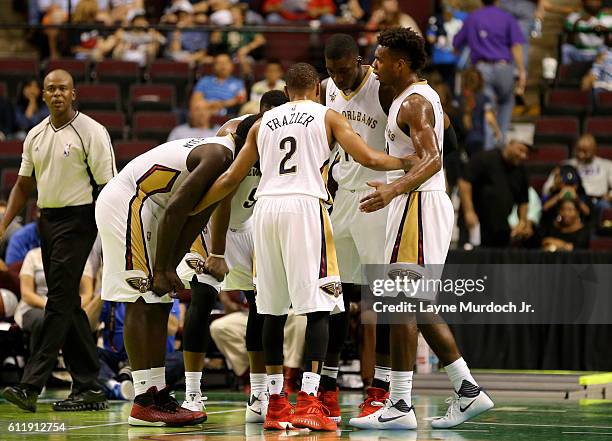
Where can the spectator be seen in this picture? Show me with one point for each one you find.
(442, 29)
(239, 44)
(495, 40)
(589, 31)
(8, 301)
(12, 229)
(568, 232)
(9, 279)
(139, 44)
(492, 183)
(283, 11)
(599, 78)
(221, 92)
(190, 46)
(30, 109)
(84, 44)
(54, 13)
(595, 172)
(31, 309)
(478, 113)
(198, 126)
(22, 241)
(566, 185)
(352, 11)
(273, 80)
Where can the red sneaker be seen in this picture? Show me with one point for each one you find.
(312, 414)
(329, 398)
(280, 412)
(146, 412)
(375, 399)
(164, 400)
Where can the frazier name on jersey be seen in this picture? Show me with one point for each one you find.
(294, 118)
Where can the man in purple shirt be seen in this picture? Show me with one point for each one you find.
(495, 41)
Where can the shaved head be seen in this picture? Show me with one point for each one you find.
(59, 75)
(59, 94)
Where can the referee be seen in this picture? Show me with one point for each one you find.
(67, 157)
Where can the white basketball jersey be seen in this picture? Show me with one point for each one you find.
(293, 150)
(362, 109)
(243, 201)
(399, 144)
(160, 171)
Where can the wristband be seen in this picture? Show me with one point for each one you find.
(218, 256)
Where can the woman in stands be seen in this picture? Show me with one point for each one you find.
(29, 110)
(568, 232)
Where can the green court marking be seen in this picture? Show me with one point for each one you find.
(604, 378)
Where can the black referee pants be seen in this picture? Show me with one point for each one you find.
(66, 237)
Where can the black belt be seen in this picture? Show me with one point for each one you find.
(493, 61)
(72, 209)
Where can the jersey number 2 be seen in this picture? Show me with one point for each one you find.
(282, 169)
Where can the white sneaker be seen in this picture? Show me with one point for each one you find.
(127, 390)
(194, 402)
(398, 416)
(256, 408)
(463, 408)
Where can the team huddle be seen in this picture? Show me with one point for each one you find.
(248, 210)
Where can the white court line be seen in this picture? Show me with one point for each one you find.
(125, 422)
(538, 425)
(587, 433)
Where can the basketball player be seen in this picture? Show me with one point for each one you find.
(142, 216)
(419, 223)
(230, 223)
(296, 258)
(351, 90)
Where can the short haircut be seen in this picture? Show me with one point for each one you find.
(301, 76)
(274, 61)
(407, 44)
(340, 46)
(242, 131)
(271, 99)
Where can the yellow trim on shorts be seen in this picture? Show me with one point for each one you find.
(329, 262)
(408, 242)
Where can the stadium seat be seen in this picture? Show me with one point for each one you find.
(172, 72)
(79, 69)
(98, 96)
(556, 129)
(537, 180)
(15, 70)
(150, 97)
(218, 120)
(2, 89)
(546, 157)
(605, 151)
(153, 125)
(567, 102)
(123, 73)
(11, 149)
(603, 103)
(125, 151)
(601, 243)
(570, 75)
(7, 181)
(600, 127)
(113, 121)
(288, 46)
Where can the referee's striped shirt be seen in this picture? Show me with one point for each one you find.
(68, 162)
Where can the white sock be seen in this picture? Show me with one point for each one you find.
(158, 377)
(382, 373)
(330, 371)
(192, 383)
(275, 383)
(142, 381)
(258, 384)
(401, 387)
(310, 382)
(111, 383)
(458, 371)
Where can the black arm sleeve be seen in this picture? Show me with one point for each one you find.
(450, 140)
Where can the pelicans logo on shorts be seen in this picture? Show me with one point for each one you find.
(333, 289)
(141, 284)
(402, 273)
(197, 265)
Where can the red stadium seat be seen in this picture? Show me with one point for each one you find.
(153, 125)
(79, 69)
(8, 179)
(123, 73)
(601, 244)
(172, 72)
(567, 102)
(570, 75)
(605, 151)
(600, 127)
(125, 151)
(15, 70)
(218, 120)
(98, 96)
(2, 89)
(151, 97)
(11, 149)
(550, 153)
(537, 181)
(288, 46)
(603, 103)
(113, 121)
(556, 129)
